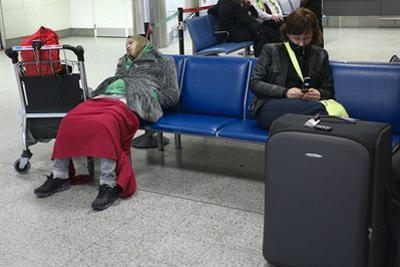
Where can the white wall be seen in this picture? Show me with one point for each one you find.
(24, 17)
(111, 14)
(82, 14)
(102, 13)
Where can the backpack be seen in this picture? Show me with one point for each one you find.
(47, 37)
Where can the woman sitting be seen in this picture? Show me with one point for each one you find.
(293, 76)
(145, 82)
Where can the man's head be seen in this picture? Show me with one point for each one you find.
(301, 28)
(135, 45)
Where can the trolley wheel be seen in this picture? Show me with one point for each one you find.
(22, 169)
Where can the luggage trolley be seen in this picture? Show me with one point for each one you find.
(45, 99)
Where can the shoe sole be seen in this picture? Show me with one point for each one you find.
(43, 195)
(102, 207)
(99, 208)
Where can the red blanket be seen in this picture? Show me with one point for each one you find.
(101, 128)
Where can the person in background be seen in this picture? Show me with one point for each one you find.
(316, 7)
(145, 82)
(277, 82)
(269, 10)
(233, 18)
(268, 23)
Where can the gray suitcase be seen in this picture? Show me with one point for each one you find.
(325, 196)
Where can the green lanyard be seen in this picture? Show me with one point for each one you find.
(294, 60)
(260, 5)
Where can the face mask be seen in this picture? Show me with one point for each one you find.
(298, 49)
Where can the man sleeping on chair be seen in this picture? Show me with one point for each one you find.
(145, 82)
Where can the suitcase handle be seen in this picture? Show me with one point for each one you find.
(342, 119)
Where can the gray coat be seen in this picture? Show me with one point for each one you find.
(149, 73)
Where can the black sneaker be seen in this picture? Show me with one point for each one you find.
(52, 186)
(106, 196)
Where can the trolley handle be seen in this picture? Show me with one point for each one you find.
(78, 51)
(12, 52)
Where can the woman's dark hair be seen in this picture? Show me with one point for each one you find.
(300, 21)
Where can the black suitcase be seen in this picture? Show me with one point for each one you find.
(394, 211)
(325, 195)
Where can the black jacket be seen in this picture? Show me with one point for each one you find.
(316, 7)
(234, 19)
(269, 76)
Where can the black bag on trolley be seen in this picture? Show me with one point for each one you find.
(326, 197)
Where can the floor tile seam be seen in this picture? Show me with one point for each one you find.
(204, 202)
(147, 206)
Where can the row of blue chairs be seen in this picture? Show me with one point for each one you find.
(215, 97)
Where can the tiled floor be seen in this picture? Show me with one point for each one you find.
(201, 206)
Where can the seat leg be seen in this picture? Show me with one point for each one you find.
(160, 142)
(178, 144)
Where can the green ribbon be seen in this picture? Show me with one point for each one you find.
(294, 60)
(165, 20)
(260, 4)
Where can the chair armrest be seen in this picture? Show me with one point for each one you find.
(222, 36)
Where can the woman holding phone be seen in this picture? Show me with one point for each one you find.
(293, 76)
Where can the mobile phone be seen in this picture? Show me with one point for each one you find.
(306, 84)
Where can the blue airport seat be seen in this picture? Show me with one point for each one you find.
(205, 41)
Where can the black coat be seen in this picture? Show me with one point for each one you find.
(316, 7)
(269, 76)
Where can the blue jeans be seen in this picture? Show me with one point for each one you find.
(277, 107)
